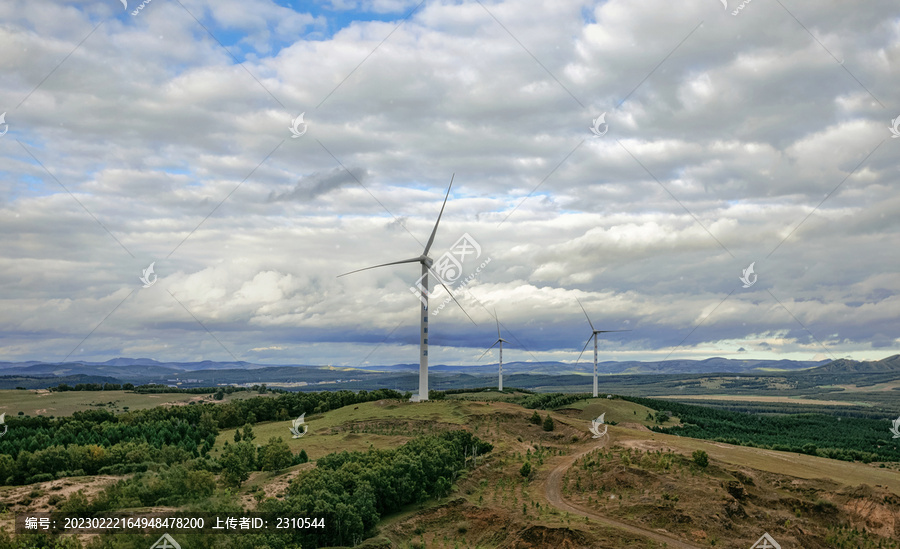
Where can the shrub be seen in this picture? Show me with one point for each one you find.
(701, 458)
(525, 471)
(548, 423)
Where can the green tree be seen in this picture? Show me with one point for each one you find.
(275, 455)
(219, 395)
(7, 468)
(548, 423)
(661, 417)
(237, 461)
(535, 418)
(701, 458)
(525, 471)
(248, 433)
(302, 457)
(237, 435)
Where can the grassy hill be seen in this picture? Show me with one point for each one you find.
(631, 488)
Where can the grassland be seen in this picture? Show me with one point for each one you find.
(645, 479)
(41, 402)
(381, 424)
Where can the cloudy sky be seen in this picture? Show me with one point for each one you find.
(728, 137)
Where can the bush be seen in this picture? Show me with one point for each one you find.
(525, 471)
(276, 455)
(701, 458)
(548, 423)
(535, 418)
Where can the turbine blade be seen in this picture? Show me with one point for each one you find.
(497, 318)
(486, 351)
(585, 313)
(583, 348)
(411, 260)
(609, 331)
(438, 278)
(436, 223)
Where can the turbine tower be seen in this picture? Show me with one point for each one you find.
(426, 263)
(594, 333)
(501, 341)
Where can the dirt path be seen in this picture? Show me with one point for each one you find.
(554, 496)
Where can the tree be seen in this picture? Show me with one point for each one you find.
(219, 395)
(237, 462)
(248, 433)
(275, 455)
(701, 458)
(662, 417)
(237, 435)
(548, 423)
(302, 457)
(535, 418)
(525, 471)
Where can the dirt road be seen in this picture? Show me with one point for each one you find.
(554, 496)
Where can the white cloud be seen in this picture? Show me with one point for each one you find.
(719, 147)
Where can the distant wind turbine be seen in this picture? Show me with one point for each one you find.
(594, 333)
(426, 263)
(501, 341)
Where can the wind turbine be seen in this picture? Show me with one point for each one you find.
(426, 263)
(501, 341)
(594, 333)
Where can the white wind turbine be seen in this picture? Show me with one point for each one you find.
(426, 263)
(501, 341)
(594, 333)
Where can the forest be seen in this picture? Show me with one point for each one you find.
(96, 441)
(351, 491)
(836, 437)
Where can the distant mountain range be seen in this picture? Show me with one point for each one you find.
(34, 374)
(847, 366)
